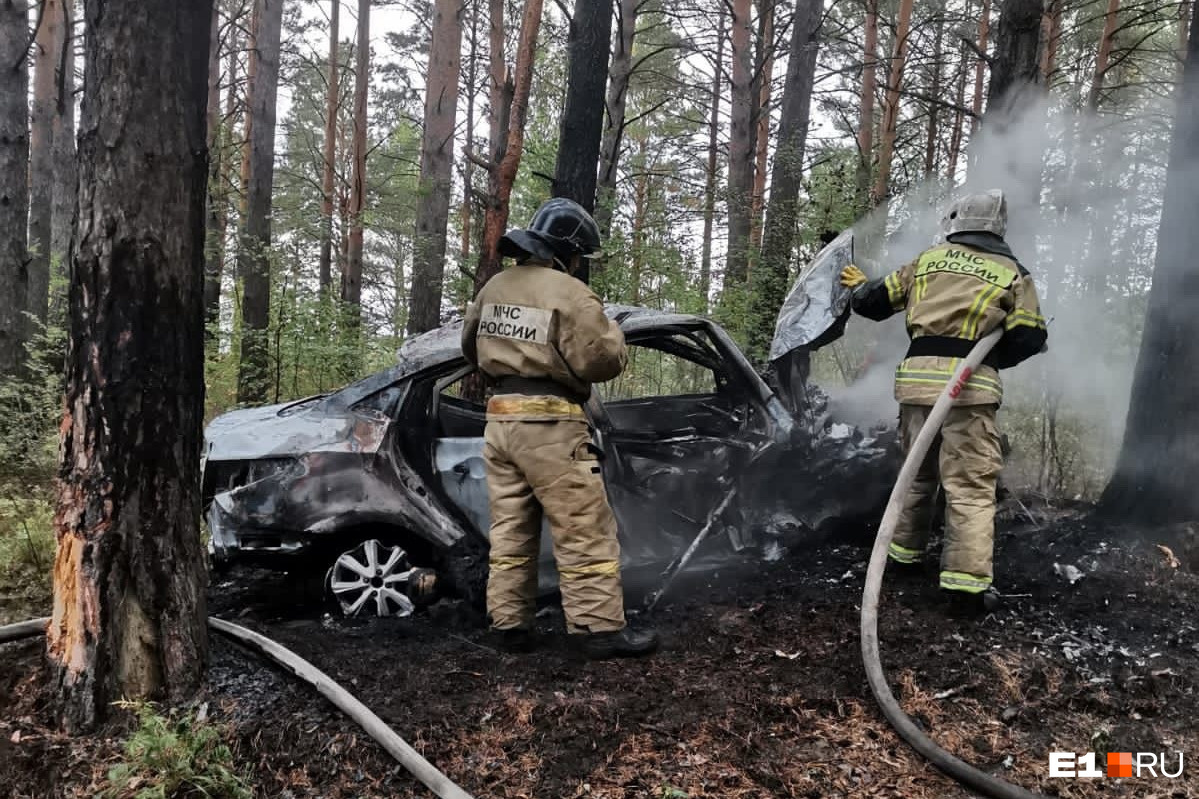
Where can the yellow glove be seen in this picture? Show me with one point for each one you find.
(852, 277)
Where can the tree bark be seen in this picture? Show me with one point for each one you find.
(254, 255)
(129, 577)
(619, 74)
(214, 255)
(351, 279)
(436, 166)
(764, 79)
(934, 109)
(866, 107)
(503, 173)
(959, 121)
(741, 154)
(14, 182)
(984, 29)
(46, 59)
(248, 117)
(1051, 28)
(786, 180)
(582, 124)
(1158, 466)
(329, 151)
(1017, 58)
(711, 175)
(468, 166)
(1104, 55)
(899, 57)
(66, 178)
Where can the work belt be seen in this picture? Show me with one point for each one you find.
(946, 347)
(519, 406)
(537, 387)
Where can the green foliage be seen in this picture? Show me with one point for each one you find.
(31, 407)
(175, 756)
(26, 550)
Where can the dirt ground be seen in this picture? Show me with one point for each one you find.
(758, 692)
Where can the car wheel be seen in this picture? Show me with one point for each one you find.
(377, 579)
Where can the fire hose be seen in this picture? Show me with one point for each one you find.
(956, 768)
(343, 700)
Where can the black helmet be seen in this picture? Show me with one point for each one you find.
(560, 228)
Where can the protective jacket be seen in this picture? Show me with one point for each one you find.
(536, 324)
(953, 295)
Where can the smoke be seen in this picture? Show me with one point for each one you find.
(1084, 195)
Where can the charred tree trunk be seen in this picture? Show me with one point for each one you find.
(1017, 63)
(886, 149)
(711, 175)
(436, 166)
(14, 182)
(741, 154)
(214, 248)
(764, 75)
(351, 278)
(866, 108)
(1104, 55)
(254, 255)
(46, 59)
(503, 172)
(129, 578)
(772, 277)
(1158, 467)
(619, 74)
(329, 151)
(66, 178)
(583, 115)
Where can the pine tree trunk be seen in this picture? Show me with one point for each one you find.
(329, 151)
(866, 107)
(959, 120)
(1104, 56)
(762, 112)
(786, 179)
(504, 172)
(14, 183)
(1051, 32)
(741, 154)
(129, 577)
(886, 149)
(984, 29)
(1017, 59)
(1158, 467)
(619, 74)
(468, 166)
(46, 59)
(711, 172)
(248, 115)
(351, 279)
(934, 109)
(254, 255)
(214, 247)
(66, 178)
(436, 167)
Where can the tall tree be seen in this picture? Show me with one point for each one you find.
(468, 199)
(1158, 467)
(129, 578)
(771, 278)
(436, 166)
(1016, 63)
(890, 120)
(254, 254)
(741, 153)
(47, 60)
(866, 106)
(65, 173)
(1104, 55)
(1051, 34)
(582, 123)
(214, 256)
(619, 74)
(351, 276)
(329, 150)
(984, 31)
(763, 83)
(508, 130)
(711, 172)
(14, 181)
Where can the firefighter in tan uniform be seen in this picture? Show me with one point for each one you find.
(541, 337)
(953, 295)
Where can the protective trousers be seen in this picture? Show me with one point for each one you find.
(967, 458)
(550, 468)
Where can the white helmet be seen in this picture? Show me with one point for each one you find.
(986, 211)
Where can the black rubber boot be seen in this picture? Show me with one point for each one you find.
(513, 640)
(966, 605)
(626, 643)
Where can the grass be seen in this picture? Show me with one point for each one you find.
(175, 756)
(26, 551)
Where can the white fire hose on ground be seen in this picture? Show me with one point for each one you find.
(958, 769)
(343, 700)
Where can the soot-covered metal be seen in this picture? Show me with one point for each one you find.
(397, 458)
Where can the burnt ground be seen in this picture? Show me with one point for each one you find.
(758, 693)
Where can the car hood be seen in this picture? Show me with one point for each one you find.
(291, 429)
(817, 307)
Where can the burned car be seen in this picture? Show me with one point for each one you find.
(381, 486)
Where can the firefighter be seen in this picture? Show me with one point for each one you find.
(953, 295)
(541, 338)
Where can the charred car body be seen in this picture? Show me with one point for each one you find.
(382, 483)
